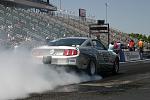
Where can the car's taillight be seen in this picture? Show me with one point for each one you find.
(70, 52)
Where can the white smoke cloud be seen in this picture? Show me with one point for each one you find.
(20, 75)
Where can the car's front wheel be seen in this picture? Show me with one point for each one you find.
(92, 70)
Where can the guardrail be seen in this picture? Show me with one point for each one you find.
(146, 54)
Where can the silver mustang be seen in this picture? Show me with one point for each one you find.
(80, 52)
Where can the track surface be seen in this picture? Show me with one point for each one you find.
(132, 83)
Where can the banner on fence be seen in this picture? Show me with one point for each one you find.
(131, 55)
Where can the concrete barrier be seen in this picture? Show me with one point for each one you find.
(146, 54)
(132, 55)
(129, 56)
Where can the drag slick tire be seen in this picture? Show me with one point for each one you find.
(92, 69)
(46, 60)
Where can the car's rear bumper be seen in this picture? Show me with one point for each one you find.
(59, 60)
(64, 61)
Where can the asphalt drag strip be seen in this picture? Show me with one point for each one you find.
(124, 89)
(132, 83)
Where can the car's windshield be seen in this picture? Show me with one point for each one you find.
(66, 42)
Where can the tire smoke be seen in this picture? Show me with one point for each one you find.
(21, 75)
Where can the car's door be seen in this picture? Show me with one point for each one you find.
(86, 53)
(104, 55)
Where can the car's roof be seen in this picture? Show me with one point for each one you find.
(84, 38)
(76, 38)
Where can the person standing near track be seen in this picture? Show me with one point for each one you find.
(131, 45)
(111, 46)
(140, 46)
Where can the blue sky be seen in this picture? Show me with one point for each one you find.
(126, 15)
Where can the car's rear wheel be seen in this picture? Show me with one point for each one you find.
(92, 70)
(116, 67)
(46, 60)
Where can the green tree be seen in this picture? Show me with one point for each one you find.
(140, 36)
(144, 38)
(148, 39)
(131, 35)
(136, 35)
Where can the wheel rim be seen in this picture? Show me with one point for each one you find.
(92, 68)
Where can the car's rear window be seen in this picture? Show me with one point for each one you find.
(66, 42)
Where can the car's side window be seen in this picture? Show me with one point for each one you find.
(98, 45)
(88, 44)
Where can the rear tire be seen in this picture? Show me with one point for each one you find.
(92, 69)
(46, 60)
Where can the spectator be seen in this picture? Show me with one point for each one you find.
(47, 39)
(98, 37)
(131, 45)
(140, 46)
(117, 47)
(111, 46)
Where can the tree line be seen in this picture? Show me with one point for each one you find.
(140, 36)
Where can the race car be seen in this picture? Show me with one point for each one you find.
(84, 53)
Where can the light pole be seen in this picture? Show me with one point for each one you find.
(107, 24)
(60, 4)
(106, 10)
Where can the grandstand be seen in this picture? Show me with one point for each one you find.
(22, 24)
(39, 4)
